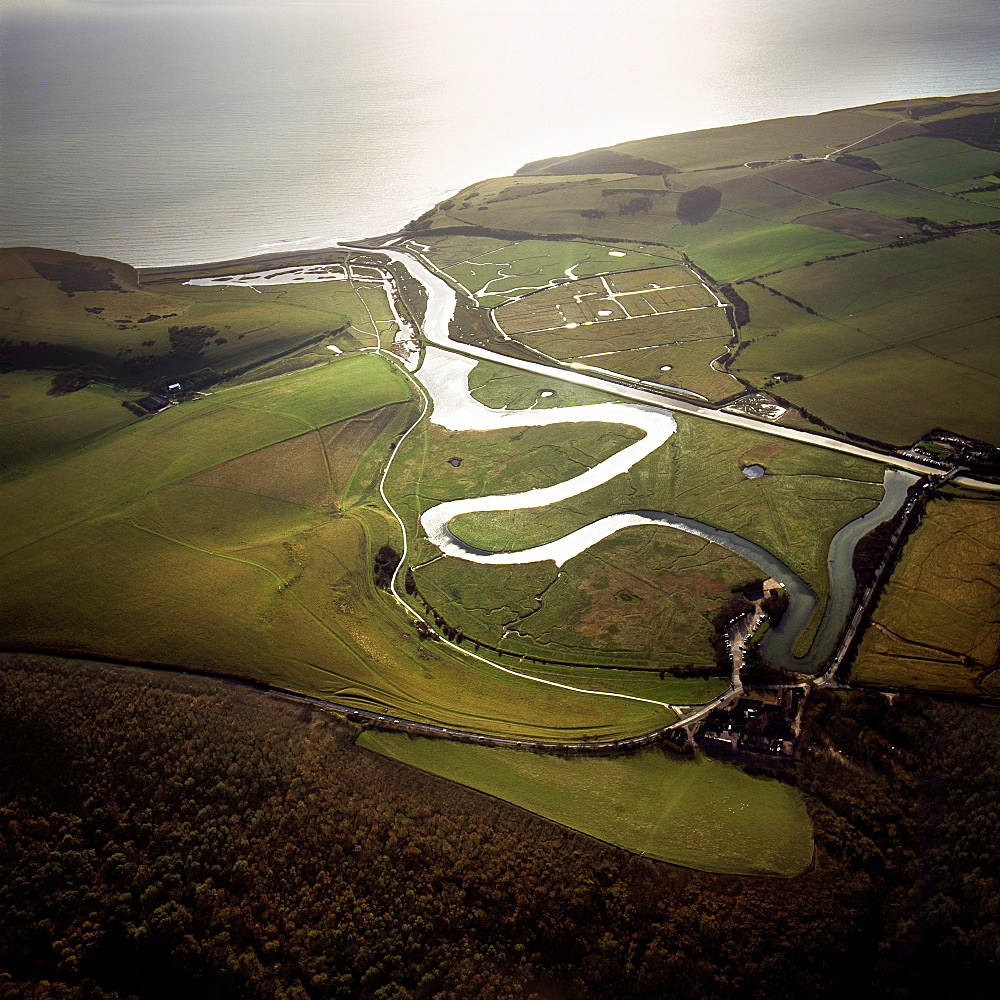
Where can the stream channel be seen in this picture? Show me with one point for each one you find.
(444, 374)
(445, 377)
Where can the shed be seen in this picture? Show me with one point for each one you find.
(154, 403)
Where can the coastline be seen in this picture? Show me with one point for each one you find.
(306, 254)
(262, 261)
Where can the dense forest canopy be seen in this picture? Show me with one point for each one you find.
(172, 836)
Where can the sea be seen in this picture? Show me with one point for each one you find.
(196, 130)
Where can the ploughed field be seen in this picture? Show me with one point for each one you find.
(937, 625)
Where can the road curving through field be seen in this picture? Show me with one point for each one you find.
(444, 374)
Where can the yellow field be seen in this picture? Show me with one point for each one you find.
(937, 624)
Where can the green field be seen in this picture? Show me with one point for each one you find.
(910, 293)
(813, 135)
(934, 162)
(937, 625)
(879, 396)
(693, 812)
(763, 250)
(515, 269)
(990, 198)
(907, 201)
(38, 425)
(792, 512)
(689, 366)
(886, 326)
(95, 316)
(645, 596)
(783, 337)
(498, 386)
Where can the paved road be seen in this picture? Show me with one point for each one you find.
(441, 300)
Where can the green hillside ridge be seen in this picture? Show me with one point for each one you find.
(92, 316)
(895, 197)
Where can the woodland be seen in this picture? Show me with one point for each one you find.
(169, 835)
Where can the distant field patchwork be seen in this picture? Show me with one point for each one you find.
(873, 334)
(661, 326)
(512, 270)
(933, 161)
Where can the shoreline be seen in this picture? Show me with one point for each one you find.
(265, 260)
(291, 255)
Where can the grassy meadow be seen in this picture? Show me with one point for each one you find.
(695, 812)
(87, 314)
(937, 624)
(934, 162)
(782, 337)
(498, 386)
(37, 424)
(645, 597)
(793, 511)
(900, 201)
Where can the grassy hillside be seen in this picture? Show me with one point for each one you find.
(877, 226)
(695, 812)
(239, 532)
(38, 423)
(93, 316)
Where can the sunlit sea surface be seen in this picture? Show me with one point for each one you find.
(188, 131)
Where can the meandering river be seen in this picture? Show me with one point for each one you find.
(444, 376)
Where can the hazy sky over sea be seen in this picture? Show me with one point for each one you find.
(170, 129)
